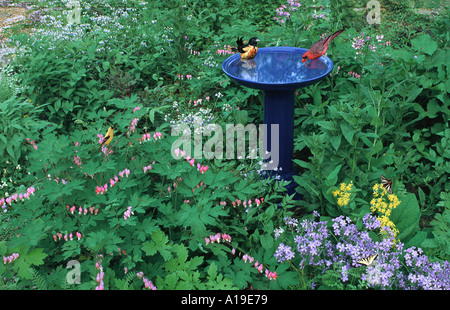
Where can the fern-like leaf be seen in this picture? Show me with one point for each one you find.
(39, 282)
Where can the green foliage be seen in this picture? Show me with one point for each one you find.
(166, 202)
(19, 119)
(438, 238)
(406, 217)
(358, 130)
(6, 89)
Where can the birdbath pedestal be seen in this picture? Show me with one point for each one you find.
(279, 72)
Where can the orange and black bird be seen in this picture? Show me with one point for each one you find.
(320, 47)
(247, 51)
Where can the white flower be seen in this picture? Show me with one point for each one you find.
(278, 232)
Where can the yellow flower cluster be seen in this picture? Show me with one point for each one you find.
(343, 194)
(384, 206)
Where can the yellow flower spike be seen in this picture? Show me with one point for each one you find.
(349, 186)
(383, 203)
(343, 194)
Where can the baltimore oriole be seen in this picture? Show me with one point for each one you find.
(247, 51)
(320, 47)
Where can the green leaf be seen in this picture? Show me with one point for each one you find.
(348, 132)
(333, 176)
(303, 164)
(26, 260)
(34, 231)
(71, 249)
(241, 117)
(57, 105)
(412, 95)
(149, 248)
(198, 216)
(285, 277)
(170, 281)
(217, 281)
(158, 244)
(97, 240)
(191, 180)
(266, 241)
(241, 278)
(35, 257)
(437, 59)
(406, 217)
(327, 125)
(447, 85)
(305, 184)
(425, 44)
(335, 141)
(212, 271)
(3, 248)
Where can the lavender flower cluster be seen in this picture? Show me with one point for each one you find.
(5, 3)
(35, 17)
(340, 245)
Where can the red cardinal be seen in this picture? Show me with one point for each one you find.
(320, 47)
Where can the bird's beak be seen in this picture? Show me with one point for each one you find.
(257, 40)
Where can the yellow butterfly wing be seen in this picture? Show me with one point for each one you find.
(367, 261)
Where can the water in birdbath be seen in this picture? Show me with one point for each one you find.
(276, 67)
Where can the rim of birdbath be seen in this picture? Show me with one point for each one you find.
(277, 69)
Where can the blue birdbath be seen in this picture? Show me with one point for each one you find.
(278, 71)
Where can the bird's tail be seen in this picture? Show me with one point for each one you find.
(239, 41)
(239, 44)
(334, 35)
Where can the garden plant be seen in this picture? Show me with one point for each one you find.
(140, 213)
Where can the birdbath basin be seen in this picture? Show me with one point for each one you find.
(278, 71)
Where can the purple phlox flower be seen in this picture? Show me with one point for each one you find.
(425, 274)
(394, 267)
(371, 222)
(284, 252)
(344, 272)
(289, 221)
